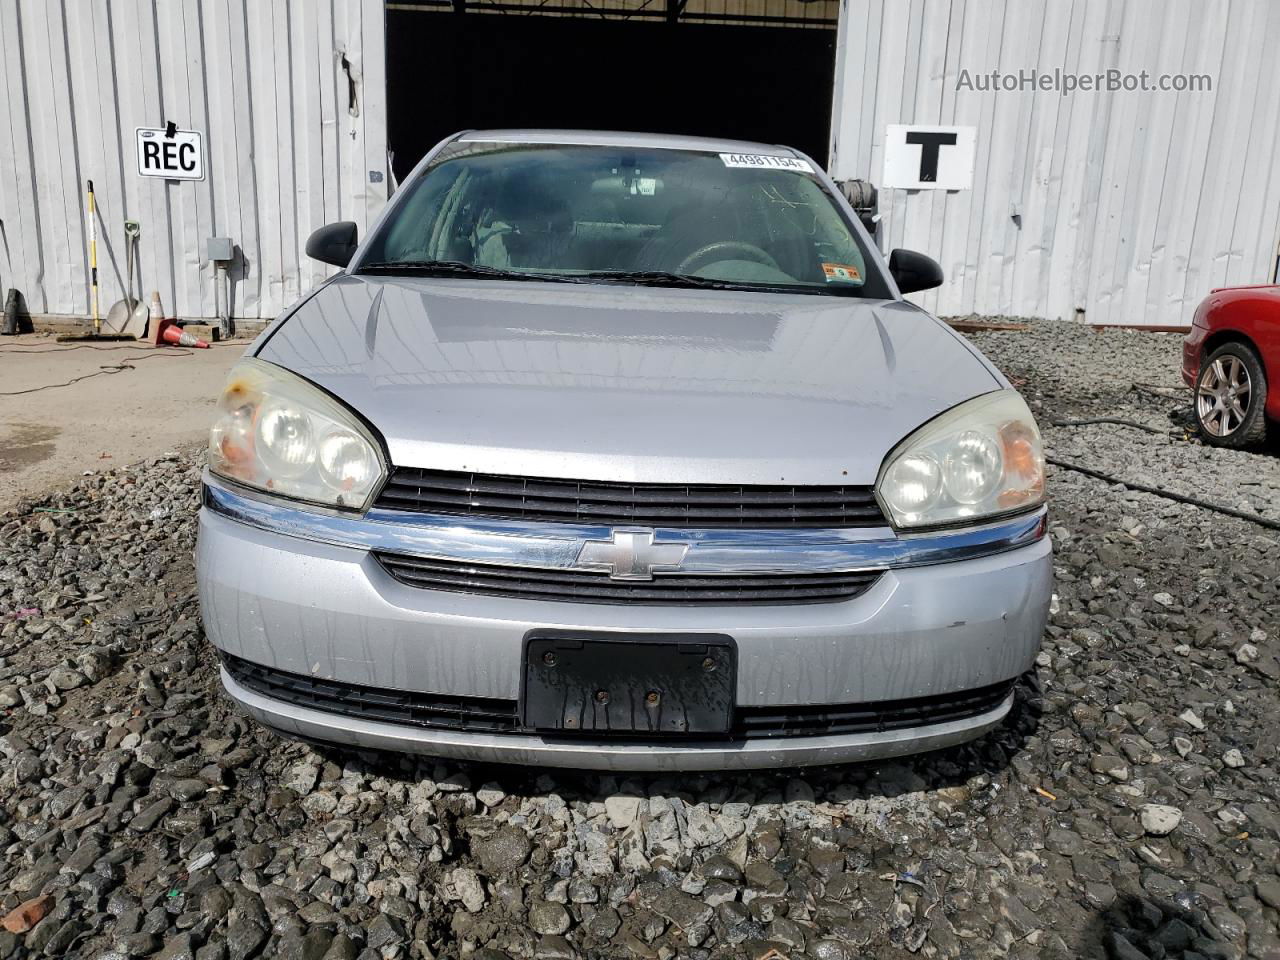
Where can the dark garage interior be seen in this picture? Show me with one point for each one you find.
(763, 73)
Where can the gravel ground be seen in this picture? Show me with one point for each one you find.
(1127, 809)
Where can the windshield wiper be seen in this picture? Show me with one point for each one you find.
(661, 278)
(456, 268)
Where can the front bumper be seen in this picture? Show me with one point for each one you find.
(324, 726)
(306, 604)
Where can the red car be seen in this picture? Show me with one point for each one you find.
(1230, 356)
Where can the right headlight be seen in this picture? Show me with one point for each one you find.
(279, 433)
(979, 459)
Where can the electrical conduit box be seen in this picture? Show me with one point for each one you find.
(219, 248)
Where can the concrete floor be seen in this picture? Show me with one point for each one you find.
(107, 420)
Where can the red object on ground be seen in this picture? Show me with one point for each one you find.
(168, 331)
(26, 915)
(1247, 315)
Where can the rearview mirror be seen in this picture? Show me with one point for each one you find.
(914, 271)
(333, 243)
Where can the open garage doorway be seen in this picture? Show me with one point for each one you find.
(746, 69)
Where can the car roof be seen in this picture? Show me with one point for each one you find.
(613, 138)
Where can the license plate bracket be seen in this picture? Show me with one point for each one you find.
(661, 685)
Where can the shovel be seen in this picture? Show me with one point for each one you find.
(129, 316)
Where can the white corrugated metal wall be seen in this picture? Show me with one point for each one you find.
(1131, 205)
(288, 146)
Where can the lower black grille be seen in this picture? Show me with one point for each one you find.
(487, 715)
(582, 586)
(469, 714)
(832, 720)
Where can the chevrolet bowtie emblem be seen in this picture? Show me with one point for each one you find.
(631, 555)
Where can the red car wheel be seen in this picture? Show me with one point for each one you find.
(1231, 392)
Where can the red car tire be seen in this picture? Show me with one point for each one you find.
(1230, 394)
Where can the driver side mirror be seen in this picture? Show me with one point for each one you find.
(914, 271)
(333, 243)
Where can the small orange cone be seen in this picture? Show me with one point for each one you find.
(170, 332)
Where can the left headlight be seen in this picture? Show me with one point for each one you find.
(979, 459)
(279, 433)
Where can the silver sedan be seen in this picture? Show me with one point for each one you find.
(618, 451)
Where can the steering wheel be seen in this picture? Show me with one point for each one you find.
(719, 250)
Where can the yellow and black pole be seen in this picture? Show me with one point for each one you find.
(93, 259)
(93, 281)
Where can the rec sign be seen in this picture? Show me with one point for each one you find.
(176, 156)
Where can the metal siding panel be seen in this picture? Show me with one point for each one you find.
(1133, 204)
(264, 84)
(1257, 229)
(373, 109)
(1112, 242)
(944, 203)
(231, 130)
(59, 186)
(894, 34)
(843, 121)
(277, 262)
(990, 214)
(1077, 173)
(328, 70)
(929, 90)
(1107, 41)
(349, 122)
(906, 107)
(1022, 37)
(870, 91)
(20, 230)
(136, 40)
(181, 66)
(309, 135)
(1131, 208)
(1151, 167)
(1062, 188)
(1033, 231)
(1249, 255)
(93, 116)
(1206, 50)
(957, 254)
(1222, 175)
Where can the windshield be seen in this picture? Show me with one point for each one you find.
(596, 213)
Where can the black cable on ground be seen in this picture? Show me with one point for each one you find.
(22, 348)
(1156, 390)
(102, 371)
(1116, 420)
(34, 348)
(1168, 495)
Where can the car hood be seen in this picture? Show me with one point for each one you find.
(643, 384)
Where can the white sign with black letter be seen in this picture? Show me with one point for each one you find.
(176, 157)
(929, 158)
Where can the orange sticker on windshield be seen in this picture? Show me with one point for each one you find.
(842, 271)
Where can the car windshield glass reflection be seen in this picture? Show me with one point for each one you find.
(606, 214)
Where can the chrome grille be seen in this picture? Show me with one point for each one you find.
(644, 504)
(583, 586)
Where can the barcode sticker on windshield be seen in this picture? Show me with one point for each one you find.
(760, 161)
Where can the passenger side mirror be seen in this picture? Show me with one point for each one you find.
(333, 243)
(914, 271)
